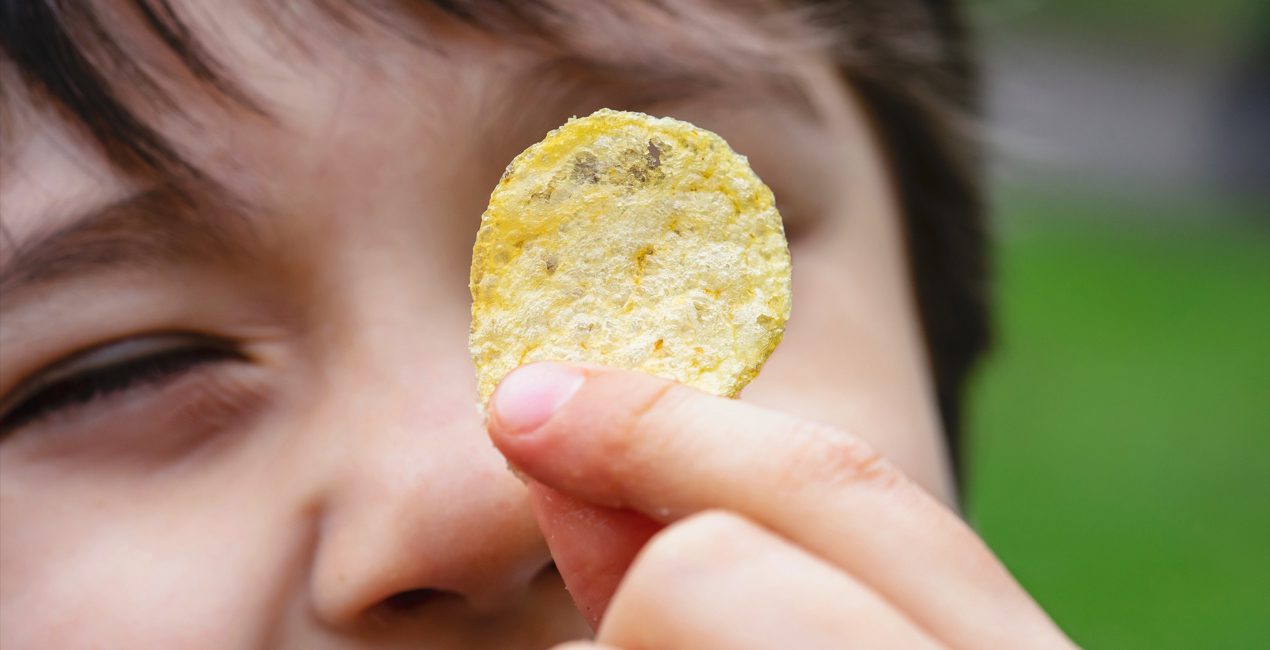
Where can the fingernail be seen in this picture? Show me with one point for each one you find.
(531, 394)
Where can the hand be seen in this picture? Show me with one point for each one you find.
(683, 520)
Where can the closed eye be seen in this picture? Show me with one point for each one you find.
(107, 372)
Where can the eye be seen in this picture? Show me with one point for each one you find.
(798, 219)
(107, 372)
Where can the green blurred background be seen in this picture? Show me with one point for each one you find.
(1119, 459)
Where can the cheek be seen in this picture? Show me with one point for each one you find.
(845, 347)
(114, 564)
(852, 356)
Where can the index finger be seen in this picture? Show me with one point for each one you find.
(627, 440)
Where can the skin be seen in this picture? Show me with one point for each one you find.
(334, 486)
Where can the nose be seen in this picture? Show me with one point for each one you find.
(420, 506)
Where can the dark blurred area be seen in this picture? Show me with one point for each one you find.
(1162, 100)
(1119, 459)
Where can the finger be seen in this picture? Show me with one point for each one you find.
(715, 580)
(592, 546)
(583, 645)
(627, 440)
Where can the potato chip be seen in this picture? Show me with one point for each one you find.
(635, 242)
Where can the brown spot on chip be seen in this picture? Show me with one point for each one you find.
(586, 168)
(654, 154)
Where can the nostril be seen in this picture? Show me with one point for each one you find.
(414, 598)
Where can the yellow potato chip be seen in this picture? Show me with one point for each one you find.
(635, 242)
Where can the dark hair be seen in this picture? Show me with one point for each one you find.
(907, 59)
(913, 66)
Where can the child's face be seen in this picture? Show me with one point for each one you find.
(300, 481)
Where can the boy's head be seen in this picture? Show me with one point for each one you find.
(233, 308)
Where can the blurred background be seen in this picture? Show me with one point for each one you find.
(1120, 453)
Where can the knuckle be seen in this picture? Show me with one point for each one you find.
(661, 405)
(701, 540)
(660, 568)
(688, 563)
(680, 540)
(832, 457)
(648, 431)
(715, 524)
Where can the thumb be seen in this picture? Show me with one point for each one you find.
(593, 546)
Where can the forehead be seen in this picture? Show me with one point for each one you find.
(182, 66)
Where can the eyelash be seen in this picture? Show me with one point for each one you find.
(110, 382)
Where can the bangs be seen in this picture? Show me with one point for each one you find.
(70, 56)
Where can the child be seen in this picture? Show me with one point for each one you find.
(235, 396)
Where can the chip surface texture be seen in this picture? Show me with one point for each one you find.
(635, 242)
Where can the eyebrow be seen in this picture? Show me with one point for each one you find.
(153, 228)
